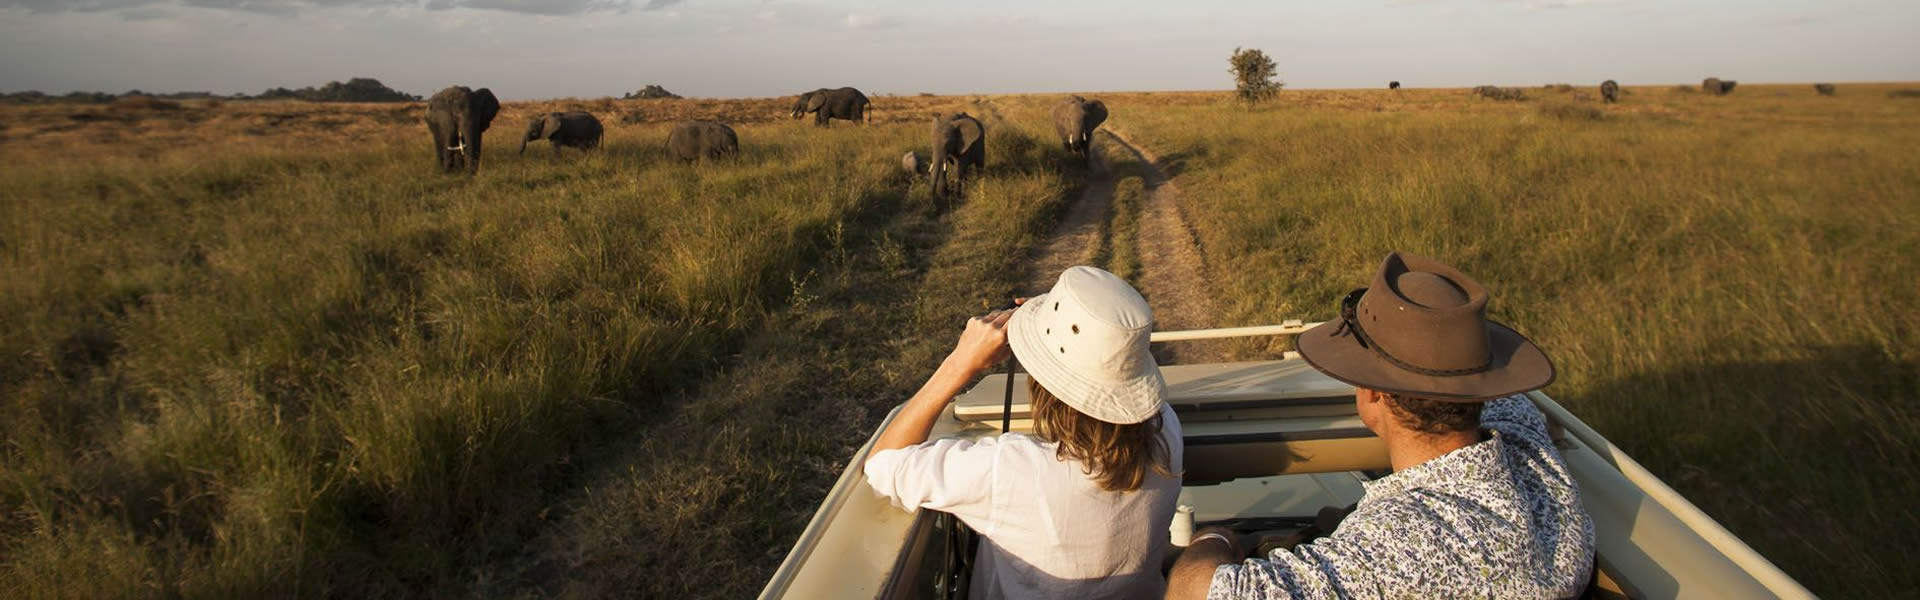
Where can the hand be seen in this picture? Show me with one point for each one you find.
(983, 343)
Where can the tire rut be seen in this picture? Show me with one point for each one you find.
(1171, 275)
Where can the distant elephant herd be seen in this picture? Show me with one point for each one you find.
(458, 116)
(1610, 90)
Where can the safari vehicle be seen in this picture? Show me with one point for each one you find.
(1268, 445)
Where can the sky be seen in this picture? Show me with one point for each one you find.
(528, 49)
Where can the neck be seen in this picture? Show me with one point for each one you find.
(1407, 449)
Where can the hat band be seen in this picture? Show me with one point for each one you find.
(1350, 325)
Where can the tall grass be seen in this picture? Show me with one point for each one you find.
(1725, 284)
(260, 372)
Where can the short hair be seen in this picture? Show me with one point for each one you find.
(1436, 417)
(1117, 456)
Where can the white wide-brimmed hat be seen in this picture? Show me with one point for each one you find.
(1086, 342)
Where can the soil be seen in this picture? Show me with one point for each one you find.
(1172, 274)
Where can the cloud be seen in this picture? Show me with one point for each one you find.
(873, 22)
(537, 7)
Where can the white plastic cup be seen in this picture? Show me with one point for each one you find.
(1181, 531)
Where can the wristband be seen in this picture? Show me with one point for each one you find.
(1211, 535)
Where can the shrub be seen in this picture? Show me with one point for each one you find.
(144, 102)
(651, 92)
(1904, 94)
(1558, 87)
(1253, 75)
(1684, 89)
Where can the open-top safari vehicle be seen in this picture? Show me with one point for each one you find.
(1268, 445)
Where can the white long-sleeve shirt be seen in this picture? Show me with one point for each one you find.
(1048, 529)
(1498, 519)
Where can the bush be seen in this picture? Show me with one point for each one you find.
(1684, 89)
(358, 89)
(1558, 87)
(144, 102)
(1253, 76)
(651, 92)
(1904, 94)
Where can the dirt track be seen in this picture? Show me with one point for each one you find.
(1172, 275)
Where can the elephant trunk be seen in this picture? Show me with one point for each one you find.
(470, 139)
(939, 169)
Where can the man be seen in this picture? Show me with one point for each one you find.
(1480, 503)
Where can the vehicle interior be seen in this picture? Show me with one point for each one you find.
(1270, 446)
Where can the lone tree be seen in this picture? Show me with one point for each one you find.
(1253, 75)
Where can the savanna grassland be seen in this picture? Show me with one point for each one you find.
(262, 350)
(1726, 284)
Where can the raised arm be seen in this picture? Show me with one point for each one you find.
(982, 344)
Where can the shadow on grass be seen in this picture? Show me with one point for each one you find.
(1845, 418)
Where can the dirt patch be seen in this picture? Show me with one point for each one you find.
(1077, 238)
(1172, 275)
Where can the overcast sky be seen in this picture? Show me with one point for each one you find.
(729, 48)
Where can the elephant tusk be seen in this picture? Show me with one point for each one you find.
(462, 146)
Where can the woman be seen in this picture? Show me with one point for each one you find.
(1080, 508)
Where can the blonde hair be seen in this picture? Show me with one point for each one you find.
(1119, 457)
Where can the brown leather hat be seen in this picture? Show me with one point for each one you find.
(1421, 330)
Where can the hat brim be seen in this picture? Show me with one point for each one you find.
(1123, 402)
(1517, 366)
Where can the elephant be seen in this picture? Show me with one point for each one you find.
(961, 141)
(573, 129)
(1074, 121)
(1825, 89)
(1393, 85)
(1717, 86)
(694, 140)
(1609, 91)
(458, 117)
(912, 163)
(845, 103)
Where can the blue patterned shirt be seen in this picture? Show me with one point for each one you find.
(1498, 519)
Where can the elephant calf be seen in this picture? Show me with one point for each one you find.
(572, 129)
(457, 117)
(912, 163)
(1074, 121)
(1393, 85)
(1717, 86)
(961, 141)
(1825, 89)
(695, 140)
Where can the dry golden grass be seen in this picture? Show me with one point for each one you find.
(263, 350)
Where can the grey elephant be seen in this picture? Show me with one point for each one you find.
(1717, 86)
(846, 104)
(1074, 121)
(1393, 85)
(959, 140)
(571, 129)
(1609, 91)
(1825, 89)
(458, 118)
(912, 163)
(695, 140)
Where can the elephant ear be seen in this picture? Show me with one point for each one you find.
(483, 106)
(970, 132)
(550, 126)
(1096, 112)
(816, 101)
